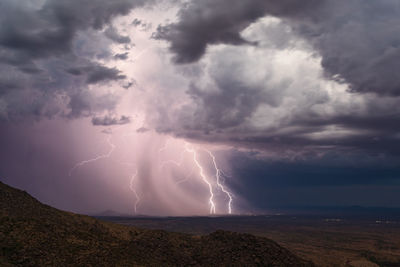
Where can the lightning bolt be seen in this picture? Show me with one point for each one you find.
(203, 176)
(131, 186)
(187, 148)
(108, 155)
(84, 162)
(218, 173)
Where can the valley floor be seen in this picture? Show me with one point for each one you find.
(327, 241)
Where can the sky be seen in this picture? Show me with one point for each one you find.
(183, 107)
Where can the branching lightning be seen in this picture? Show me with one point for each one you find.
(84, 162)
(217, 176)
(203, 176)
(212, 185)
(218, 173)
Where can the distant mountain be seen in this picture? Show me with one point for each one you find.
(33, 234)
(355, 211)
(110, 213)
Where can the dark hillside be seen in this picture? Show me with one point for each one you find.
(33, 234)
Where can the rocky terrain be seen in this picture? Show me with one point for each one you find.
(34, 234)
(366, 240)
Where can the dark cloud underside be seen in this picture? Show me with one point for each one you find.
(49, 51)
(108, 120)
(359, 45)
(358, 40)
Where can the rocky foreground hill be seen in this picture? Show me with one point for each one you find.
(34, 234)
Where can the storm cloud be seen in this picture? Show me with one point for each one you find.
(339, 91)
(357, 40)
(116, 37)
(109, 120)
(50, 52)
(203, 23)
(295, 98)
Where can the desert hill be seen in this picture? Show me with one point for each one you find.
(34, 234)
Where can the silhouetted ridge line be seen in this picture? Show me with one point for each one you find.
(34, 234)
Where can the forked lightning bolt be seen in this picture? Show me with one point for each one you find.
(131, 186)
(80, 164)
(187, 149)
(203, 176)
(108, 155)
(217, 176)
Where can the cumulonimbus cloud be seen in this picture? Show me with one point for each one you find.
(244, 94)
(358, 40)
(49, 54)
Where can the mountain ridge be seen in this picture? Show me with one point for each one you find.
(34, 234)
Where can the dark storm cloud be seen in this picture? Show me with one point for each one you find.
(108, 120)
(303, 135)
(97, 73)
(332, 179)
(333, 169)
(49, 30)
(358, 40)
(225, 111)
(83, 103)
(231, 104)
(48, 51)
(203, 23)
(142, 25)
(136, 22)
(112, 33)
(359, 45)
(122, 56)
(103, 73)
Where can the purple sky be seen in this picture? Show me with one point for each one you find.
(123, 104)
